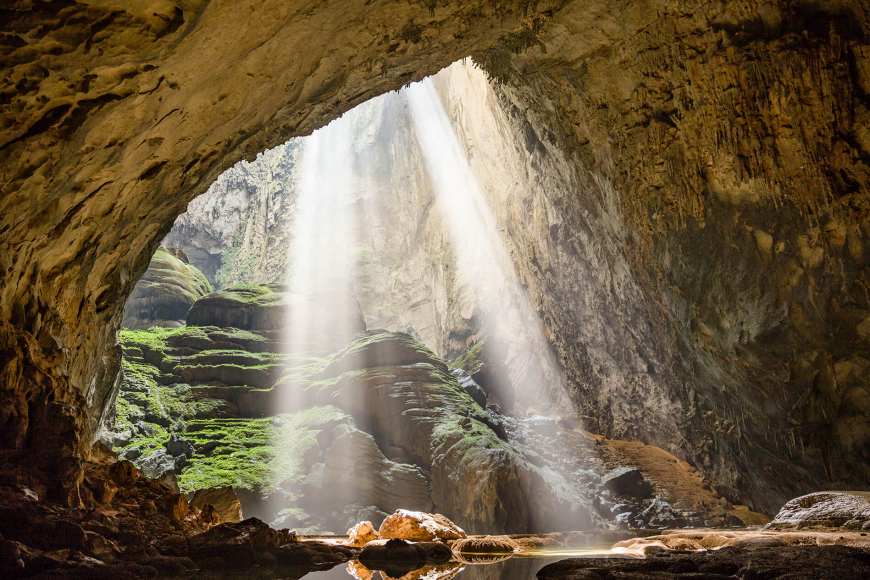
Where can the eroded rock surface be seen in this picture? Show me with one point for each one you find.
(166, 291)
(825, 510)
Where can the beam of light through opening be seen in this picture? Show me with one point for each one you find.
(322, 309)
(476, 241)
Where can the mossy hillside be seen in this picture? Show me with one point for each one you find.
(244, 306)
(166, 291)
(266, 455)
(405, 395)
(185, 278)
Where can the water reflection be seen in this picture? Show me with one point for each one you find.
(517, 566)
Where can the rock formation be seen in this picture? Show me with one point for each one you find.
(165, 292)
(699, 264)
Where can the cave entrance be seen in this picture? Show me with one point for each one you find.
(252, 354)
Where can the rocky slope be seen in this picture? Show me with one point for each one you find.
(321, 438)
(709, 218)
(166, 291)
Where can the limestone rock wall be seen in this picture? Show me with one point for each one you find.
(730, 138)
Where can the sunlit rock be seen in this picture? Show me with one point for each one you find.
(419, 527)
(825, 510)
(361, 534)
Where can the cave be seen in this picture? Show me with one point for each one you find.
(565, 274)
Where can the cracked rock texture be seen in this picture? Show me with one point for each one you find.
(711, 213)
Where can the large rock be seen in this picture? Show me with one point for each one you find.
(178, 445)
(160, 466)
(238, 543)
(165, 292)
(224, 500)
(825, 509)
(361, 534)
(628, 481)
(419, 527)
(398, 557)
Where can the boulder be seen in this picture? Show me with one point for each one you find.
(397, 557)
(123, 473)
(238, 543)
(224, 500)
(628, 481)
(102, 489)
(484, 545)
(178, 445)
(419, 527)
(361, 534)
(160, 466)
(825, 509)
(177, 507)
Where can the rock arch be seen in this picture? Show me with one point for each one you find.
(684, 116)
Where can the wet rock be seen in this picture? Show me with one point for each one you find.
(419, 527)
(484, 545)
(178, 445)
(361, 534)
(825, 509)
(628, 481)
(545, 426)
(313, 554)
(470, 386)
(238, 543)
(224, 500)
(803, 562)
(397, 557)
(659, 513)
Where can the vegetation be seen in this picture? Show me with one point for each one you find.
(472, 360)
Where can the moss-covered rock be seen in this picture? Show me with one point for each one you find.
(166, 291)
(312, 440)
(329, 317)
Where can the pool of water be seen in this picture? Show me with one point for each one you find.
(520, 566)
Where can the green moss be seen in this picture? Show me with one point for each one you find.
(472, 360)
(257, 454)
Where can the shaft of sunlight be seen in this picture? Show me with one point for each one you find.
(477, 242)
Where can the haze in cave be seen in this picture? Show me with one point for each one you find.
(555, 290)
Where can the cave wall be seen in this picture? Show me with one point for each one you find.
(732, 137)
(721, 145)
